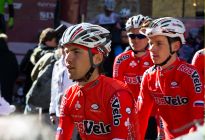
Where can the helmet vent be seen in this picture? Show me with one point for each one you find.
(167, 21)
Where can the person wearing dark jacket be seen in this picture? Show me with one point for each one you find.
(8, 70)
(47, 43)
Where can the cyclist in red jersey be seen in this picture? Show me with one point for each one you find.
(198, 61)
(173, 85)
(100, 107)
(130, 65)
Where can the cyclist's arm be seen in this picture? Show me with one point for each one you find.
(194, 88)
(121, 111)
(65, 127)
(144, 107)
(198, 62)
(118, 69)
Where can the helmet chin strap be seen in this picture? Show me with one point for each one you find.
(170, 55)
(142, 50)
(89, 73)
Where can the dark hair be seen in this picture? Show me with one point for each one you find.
(174, 39)
(47, 35)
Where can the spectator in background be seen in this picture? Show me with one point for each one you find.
(59, 83)
(124, 40)
(47, 43)
(40, 92)
(9, 69)
(186, 52)
(2, 15)
(25, 69)
(200, 39)
(26, 65)
(125, 14)
(120, 26)
(195, 42)
(129, 66)
(109, 19)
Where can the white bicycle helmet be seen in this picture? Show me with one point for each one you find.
(88, 35)
(110, 5)
(134, 22)
(167, 26)
(125, 12)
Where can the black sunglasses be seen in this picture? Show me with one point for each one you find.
(138, 36)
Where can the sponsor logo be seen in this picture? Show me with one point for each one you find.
(146, 64)
(186, 69)
(127, 122)
(133, 79)
(132, 64)
(89, 127)
(122, 58)
(94, 106)
(194, 75)
(174, 84)
(116, 111)
(46, 15)
(97, 33)
(77, 105)
(128, 110)
(198, 104)
(169, 100)
(197, 83)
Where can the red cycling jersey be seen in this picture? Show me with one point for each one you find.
(198, 61)
(102, 109)
(129, 69)
(178, 93)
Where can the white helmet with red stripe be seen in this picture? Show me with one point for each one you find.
(88, 35)
(167, 26)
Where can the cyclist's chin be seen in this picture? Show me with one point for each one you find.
(137, 48)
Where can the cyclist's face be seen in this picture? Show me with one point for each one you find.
(159, 48)
(138, 42)
(77, 61)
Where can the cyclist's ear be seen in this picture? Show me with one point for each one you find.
(98, 58)
(176, 46)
